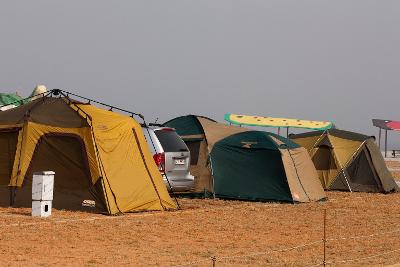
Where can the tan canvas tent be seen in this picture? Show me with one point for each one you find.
(238, 163)
(347, 161)
(97, 155)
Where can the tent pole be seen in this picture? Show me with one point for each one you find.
(347, 181)
(279, 130)
(379, 139)
(287, 132)
(318, 140)
(385, 143)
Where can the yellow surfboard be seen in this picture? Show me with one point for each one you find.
(276, 122)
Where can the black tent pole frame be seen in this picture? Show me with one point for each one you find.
(57, 91)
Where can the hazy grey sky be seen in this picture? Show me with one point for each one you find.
(321, 60)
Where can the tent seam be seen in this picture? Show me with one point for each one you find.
(297, 174)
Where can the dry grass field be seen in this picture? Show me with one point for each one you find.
(205, 228)
(237, 233)
(395, 165)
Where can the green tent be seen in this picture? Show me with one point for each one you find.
(10, 99)
(234, 162)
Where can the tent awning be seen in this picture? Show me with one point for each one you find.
(277, 122)
(386, 124)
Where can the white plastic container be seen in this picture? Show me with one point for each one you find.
(41, 208)
(42, 193)
(43, 185)
(7, 107)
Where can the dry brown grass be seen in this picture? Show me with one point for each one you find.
(396, 175)
(206, 228)
(395, 165)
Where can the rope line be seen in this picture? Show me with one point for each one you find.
(127, 216)
(315, 265)
(364, 258)
(270, 251)
(363, 236)
(310, 244)
(191, 263)
(292, 248)
(249, 255)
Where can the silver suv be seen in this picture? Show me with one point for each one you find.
(172, 157)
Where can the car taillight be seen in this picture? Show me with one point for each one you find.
(159, 159)
(168, 129)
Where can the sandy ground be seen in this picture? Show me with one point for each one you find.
(237, 233)
(206, 228)
(394, 165)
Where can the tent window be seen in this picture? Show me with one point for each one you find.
(323, 159)
(194, 148)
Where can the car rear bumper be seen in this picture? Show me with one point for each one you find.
(179, 184)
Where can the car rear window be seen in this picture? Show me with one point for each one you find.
(170, 141)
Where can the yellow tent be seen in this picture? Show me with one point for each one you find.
(98, 155)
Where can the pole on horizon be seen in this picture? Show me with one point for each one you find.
(385, 143)
(379, 139)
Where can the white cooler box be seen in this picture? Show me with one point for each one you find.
(41, 208)
(42, 193)
(42, 185)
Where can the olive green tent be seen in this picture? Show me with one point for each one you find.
(234, 162)
(347, 161)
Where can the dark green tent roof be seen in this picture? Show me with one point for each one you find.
(187, 125)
